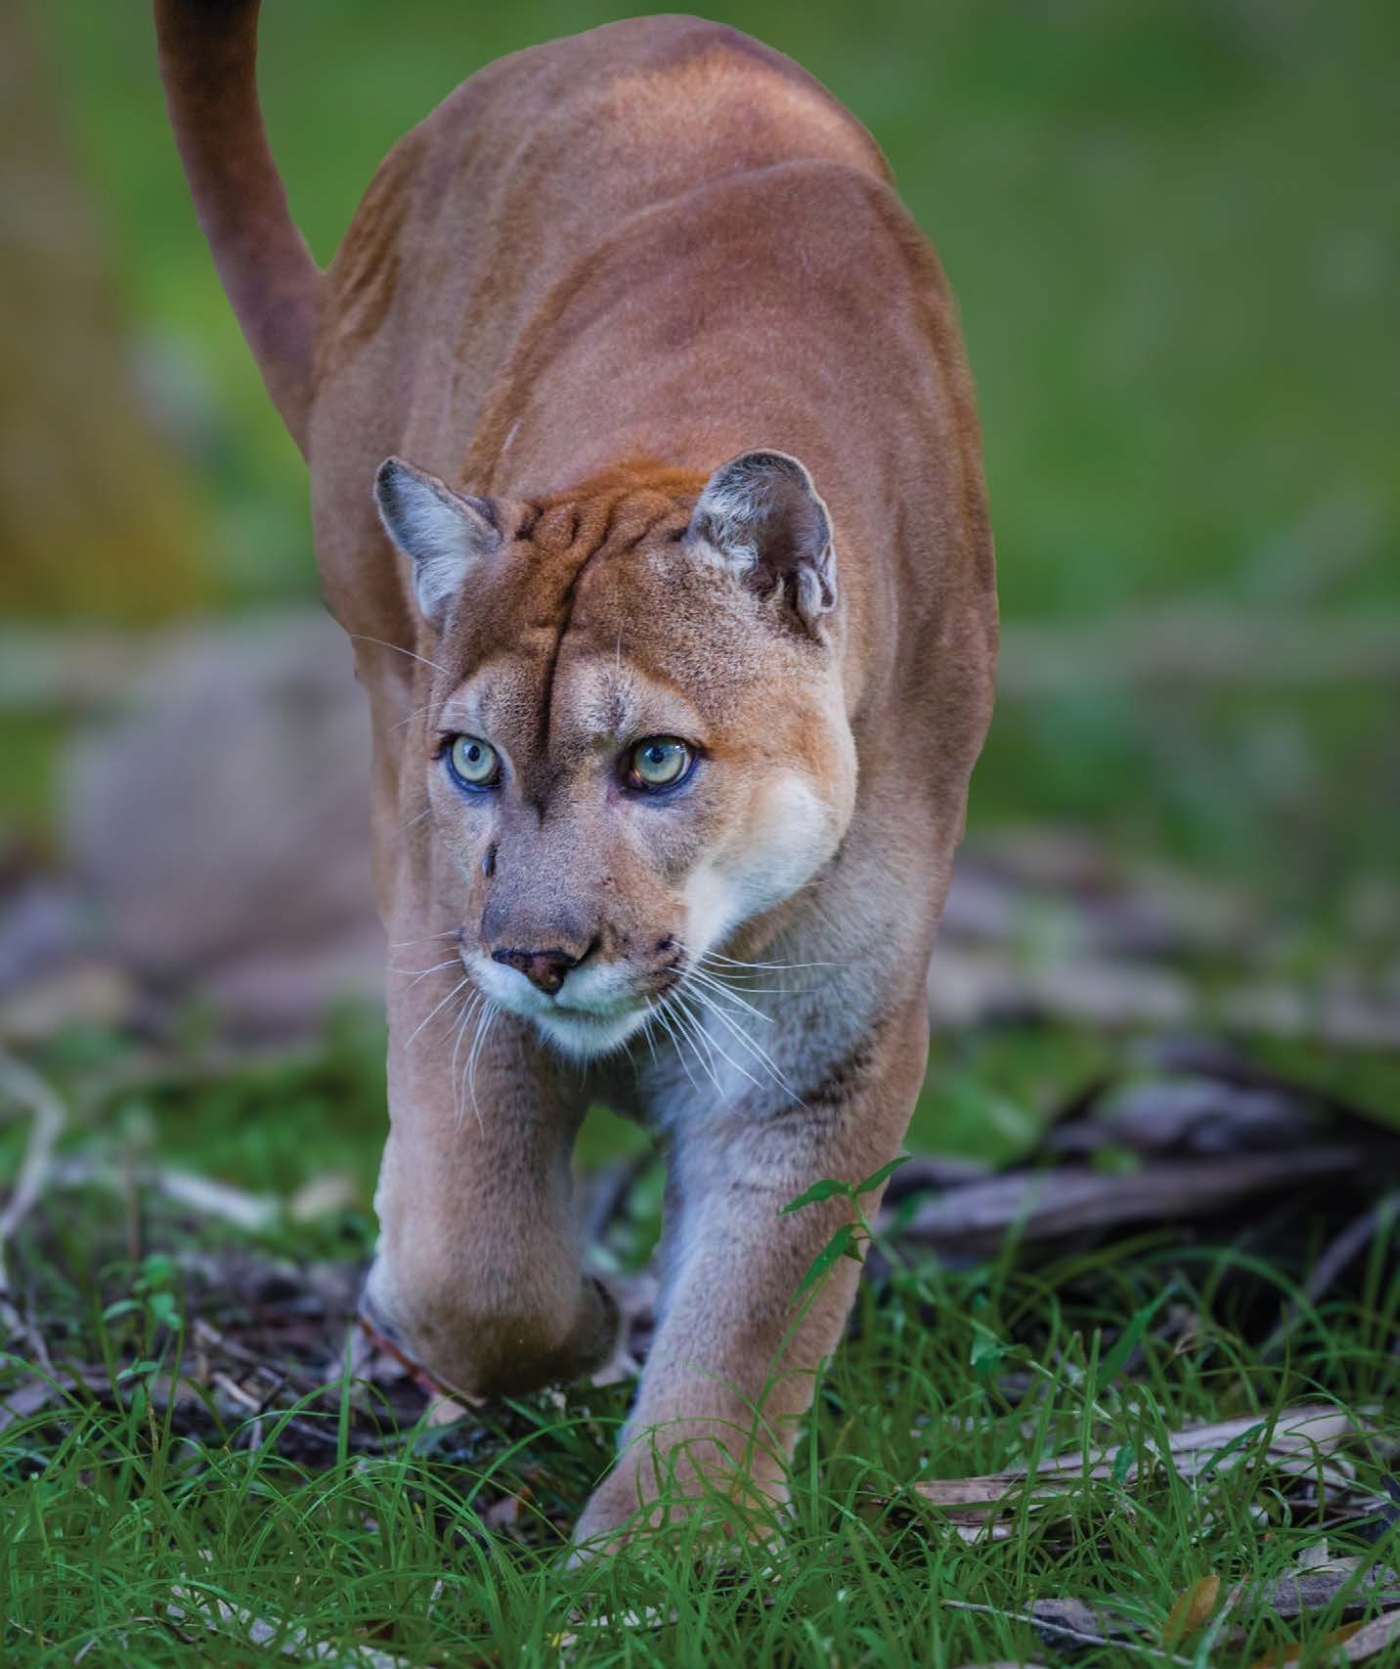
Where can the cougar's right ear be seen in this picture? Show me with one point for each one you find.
(762, 517)
(444, 533)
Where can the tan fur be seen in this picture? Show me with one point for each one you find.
(598, 271)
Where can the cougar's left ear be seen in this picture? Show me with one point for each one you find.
(762, 515)
(443, 532)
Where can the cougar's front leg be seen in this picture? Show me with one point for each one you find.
(734, 1365)
(477, 1276)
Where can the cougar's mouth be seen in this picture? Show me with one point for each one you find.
(594, 1012)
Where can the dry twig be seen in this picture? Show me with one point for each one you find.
(1044, 1625)
(29, 1091)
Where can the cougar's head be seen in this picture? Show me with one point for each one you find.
(636, 738)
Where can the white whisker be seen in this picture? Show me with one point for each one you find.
(398, 648)
(778, 967)
(714, 1043)
(488, 1020)
(760, 1054)
(422, 973)
(710, 983)
(438, 1010)
(665, 1022)
(459, 1084)
(445, 705)
(764, 991)
(679, 1008)
(735, 976)
(468, 1009)
(646, 1032)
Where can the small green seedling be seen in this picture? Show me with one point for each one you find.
(851, 1237)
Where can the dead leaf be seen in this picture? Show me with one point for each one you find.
(212, 1198)
(445, 1411)
(90, 994)
(1194, 1605)
(503, 1516)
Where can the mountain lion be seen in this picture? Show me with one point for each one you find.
(646, 477)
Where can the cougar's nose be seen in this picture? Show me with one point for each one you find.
(545, 969)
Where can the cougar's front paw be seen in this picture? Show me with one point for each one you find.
(454, 1343)
(652, 1489)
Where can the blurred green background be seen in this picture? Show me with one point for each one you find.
(1174, 229)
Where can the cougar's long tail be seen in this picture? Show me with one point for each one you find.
(208, 54)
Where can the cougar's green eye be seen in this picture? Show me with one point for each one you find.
(473, 763)
(658, 762)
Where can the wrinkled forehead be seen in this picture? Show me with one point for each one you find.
(645, 643)
(579, 698)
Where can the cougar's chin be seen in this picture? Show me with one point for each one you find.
(582, 1036)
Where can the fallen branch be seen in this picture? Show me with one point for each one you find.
(221, 1618)
(206, 1196)
(1043, 1205)
(1298, 1448)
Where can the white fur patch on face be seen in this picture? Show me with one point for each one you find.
(781, 849)
(711, 908)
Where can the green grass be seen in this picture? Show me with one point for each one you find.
(107, 1505)
(106, 1511)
